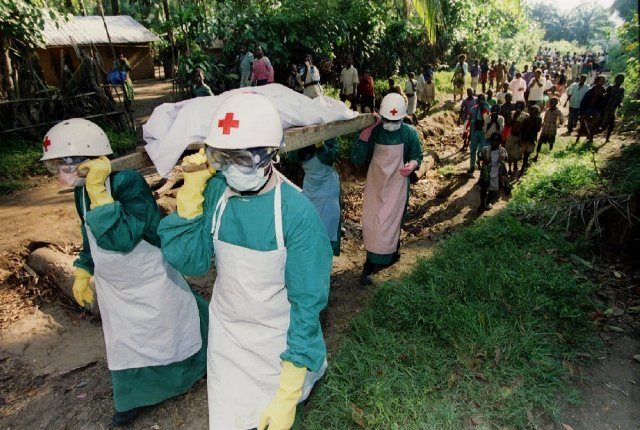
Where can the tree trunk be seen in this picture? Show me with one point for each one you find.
(167, 17)
(84, 9)
(115, 7)
(8, 69)
(101, 9)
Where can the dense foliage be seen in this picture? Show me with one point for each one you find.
(384, 36)
(624, 59)
(585, 24)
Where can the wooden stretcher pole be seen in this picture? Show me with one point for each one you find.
(294, 138)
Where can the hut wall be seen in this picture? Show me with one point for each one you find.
(139, 57)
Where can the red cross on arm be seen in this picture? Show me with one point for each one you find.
(46, 143)
(228, 123)
(393, 112)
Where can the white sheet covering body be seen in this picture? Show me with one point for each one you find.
(173, 126)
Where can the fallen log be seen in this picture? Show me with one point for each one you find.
(59, 266)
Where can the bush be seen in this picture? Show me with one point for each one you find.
(623, 58)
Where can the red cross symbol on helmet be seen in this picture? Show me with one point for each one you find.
(393, 112)
(227, 123)
(46, 143)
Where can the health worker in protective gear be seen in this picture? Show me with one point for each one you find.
(155, 326)
(273, 262)
(393, 150)
(322, 185)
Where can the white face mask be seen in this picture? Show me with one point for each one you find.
(68, 177)
(242, 182)
(392, 126)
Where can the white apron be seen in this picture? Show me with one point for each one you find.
(385, 196)
(248, 323)
(149, 315)
(322, 186)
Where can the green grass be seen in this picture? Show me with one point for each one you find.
(480, 329)
(443, 83)
(447, 171)
(478, 332)
(566, 171)
(20, 157)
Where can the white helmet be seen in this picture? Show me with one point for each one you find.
(393, 107)
(75, 137)
(245, 120)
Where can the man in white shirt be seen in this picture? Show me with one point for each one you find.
(500, 97)
(310, 78)
(349, 81)
(517, 87)
(536, 89)
(575, 94)
(576, 67)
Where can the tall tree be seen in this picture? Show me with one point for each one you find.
(626, 8)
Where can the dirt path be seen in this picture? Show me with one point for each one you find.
(149, 93)
(52, 367)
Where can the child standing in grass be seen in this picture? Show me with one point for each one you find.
(493, 174)
(553, 119)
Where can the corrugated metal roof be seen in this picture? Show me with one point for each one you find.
(85, 30)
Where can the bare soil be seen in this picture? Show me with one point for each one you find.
(53, 372)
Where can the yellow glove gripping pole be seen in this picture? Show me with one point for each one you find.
(190, 197)
(99, 168)
(82, 292)
(281, 412)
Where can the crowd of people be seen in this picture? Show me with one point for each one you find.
(526, 112)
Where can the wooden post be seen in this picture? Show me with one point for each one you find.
(84, 9)
(6, 63)
(115, 7)
(101, 9)
(167, 17)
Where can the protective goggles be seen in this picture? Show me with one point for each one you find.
(66, 164)
(246, 160)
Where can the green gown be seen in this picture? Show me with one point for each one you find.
(362, 153)
(248, 221)
(327, 154)
(119, 226)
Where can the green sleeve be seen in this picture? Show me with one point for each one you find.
(413, 146)
(187, 243)
(134, 215)
(307, 272)
(361, 152)
(84, 260)
(301, 155)
(328, 153)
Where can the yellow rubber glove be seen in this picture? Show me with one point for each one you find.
(281, 412)
(319, 144)
(196, 174)
(81, 289)
(98, 170)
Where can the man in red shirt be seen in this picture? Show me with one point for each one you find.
(366, 91)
